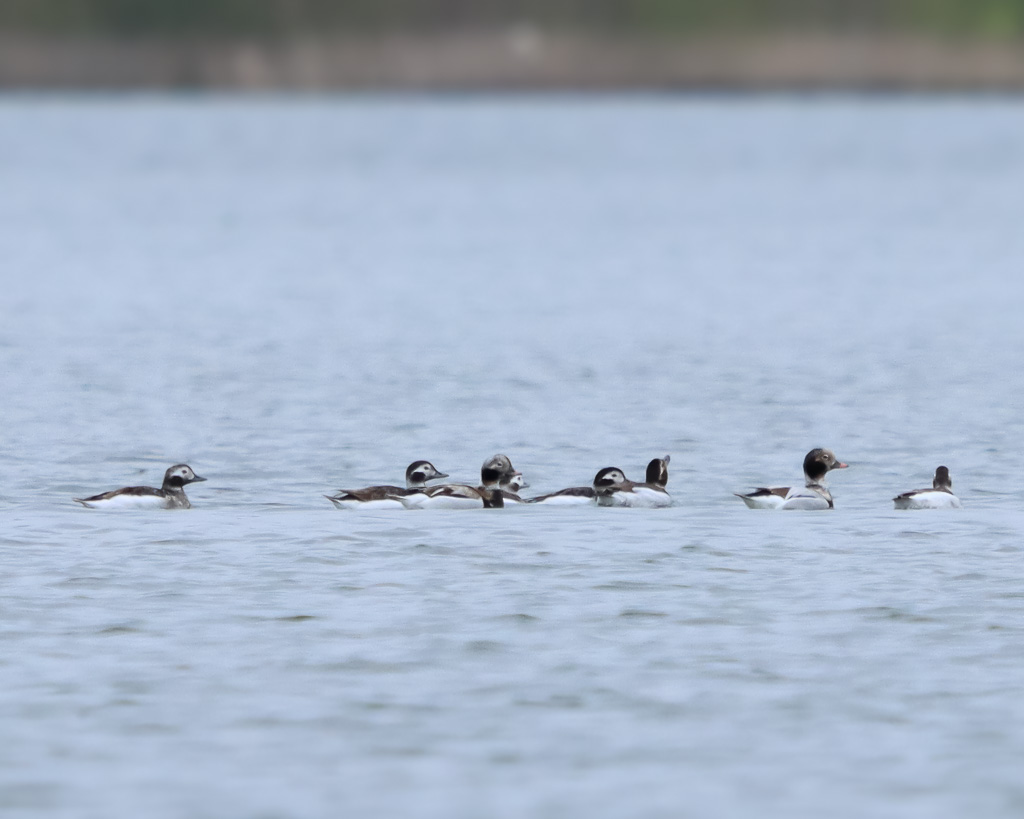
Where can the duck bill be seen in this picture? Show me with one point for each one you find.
(841, 466)
(196, 479)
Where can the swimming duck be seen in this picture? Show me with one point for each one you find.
(387, 497)
(813, 495)
(613, 489)
(171, 495)
(463, 496)
(510, 487)
(940, 496)
(657, 475)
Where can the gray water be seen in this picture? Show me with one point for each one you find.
(295, 295)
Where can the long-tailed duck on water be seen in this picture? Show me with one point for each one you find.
(657, 475)
(387, 497)
(611, 487)
(813, 495)
(171, 495)
(510, 487)
(940, 496)
(488, 495)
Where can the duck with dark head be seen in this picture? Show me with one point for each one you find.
(488, 495)
(171, 494)
(385, 496)
(612, 488)
(812, 495)
(940, 496)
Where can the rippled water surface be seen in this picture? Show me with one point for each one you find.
(298, 295)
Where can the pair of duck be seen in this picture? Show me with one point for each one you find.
(500, 484)
(815, 495)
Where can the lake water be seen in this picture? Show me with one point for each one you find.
(295, 295)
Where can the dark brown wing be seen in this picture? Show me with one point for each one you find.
(138, 491)
(764, 491)
(572, 491)
(371, 493)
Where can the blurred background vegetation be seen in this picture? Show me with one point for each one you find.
(976, 19)
(530, 44)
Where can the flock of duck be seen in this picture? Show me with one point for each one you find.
(500, 485)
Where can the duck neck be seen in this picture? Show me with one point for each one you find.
(815, 482)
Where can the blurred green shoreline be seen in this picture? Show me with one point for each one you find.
(516, 58)
(518, 44)
(685, 18)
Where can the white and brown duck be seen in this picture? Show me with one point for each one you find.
(417, 474)
(812, 495)
(170, 495)
(612, 488)
(488, 495)
(940, 496)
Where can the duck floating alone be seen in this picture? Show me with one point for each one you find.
(940, 496)
(171, 494)
(812, 495)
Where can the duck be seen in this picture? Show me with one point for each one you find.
(510, 487)
(612, 488)
(940, 496)
(463, 496)
(657, 474)
(387, 497)
(813, 495)
(171, 494)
